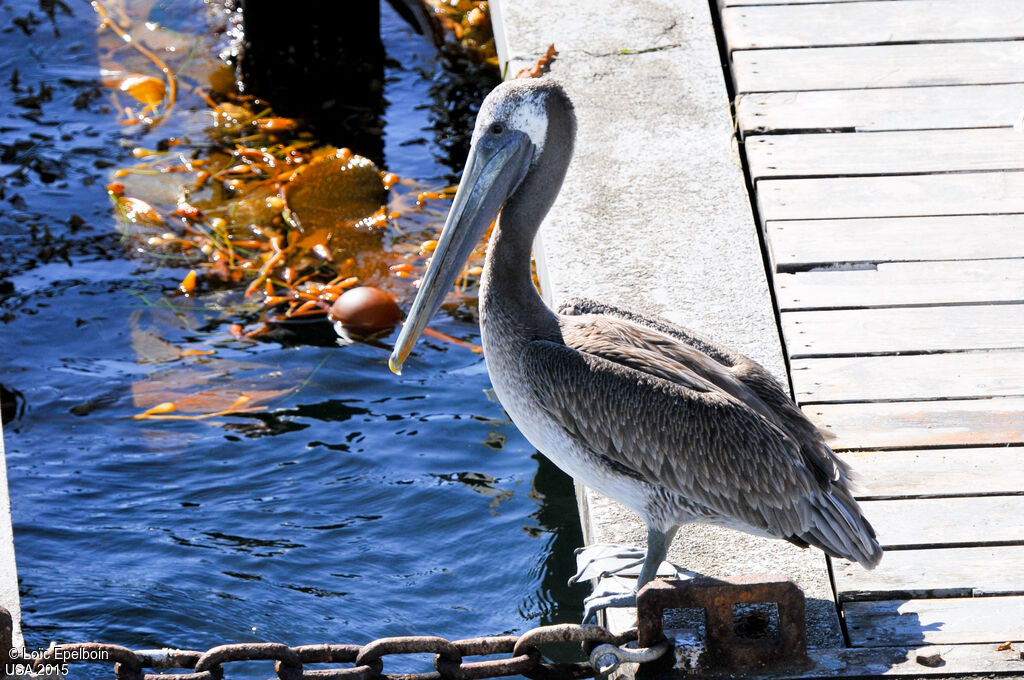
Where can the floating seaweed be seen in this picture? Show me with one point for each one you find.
(260, 204)
(279, 224)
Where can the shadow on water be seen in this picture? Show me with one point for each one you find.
(356, 505)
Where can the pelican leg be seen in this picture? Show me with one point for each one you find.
(657, 550)
(614, 591)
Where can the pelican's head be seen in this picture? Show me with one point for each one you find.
(512, 137)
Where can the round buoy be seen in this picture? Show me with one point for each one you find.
(365, 310)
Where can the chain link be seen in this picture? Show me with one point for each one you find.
(368, 659)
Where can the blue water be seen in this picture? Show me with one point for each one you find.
(360, 505)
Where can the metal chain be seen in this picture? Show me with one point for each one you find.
(368, 659)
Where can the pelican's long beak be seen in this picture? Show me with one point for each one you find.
(493, 171)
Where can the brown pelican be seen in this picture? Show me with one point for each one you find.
(672, 425)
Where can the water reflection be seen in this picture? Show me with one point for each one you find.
(557, 520)
(352, 505)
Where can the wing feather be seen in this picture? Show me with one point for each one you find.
(784, 412)
(665, 411)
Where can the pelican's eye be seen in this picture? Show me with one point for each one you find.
(496, 128)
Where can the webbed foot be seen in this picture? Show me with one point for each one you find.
(605, 559)
(610, 593)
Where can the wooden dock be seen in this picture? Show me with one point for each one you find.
(880, 141)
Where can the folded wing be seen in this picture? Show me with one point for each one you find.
(701, 422)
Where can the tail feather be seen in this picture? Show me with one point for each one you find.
(841, 530)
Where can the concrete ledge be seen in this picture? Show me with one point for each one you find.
(654, 215)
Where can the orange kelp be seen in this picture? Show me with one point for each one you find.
(258, 204)
(263, 217)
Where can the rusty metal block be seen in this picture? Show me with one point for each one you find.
(726, 650)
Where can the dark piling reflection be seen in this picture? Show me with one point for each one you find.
(331, 73)
(558, 516)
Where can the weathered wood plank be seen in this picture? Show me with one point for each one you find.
(798, 244)
(943, 572)
(946, 621)
(895, 662)
(880, 153)
(861, 662)
(904, 425)
(904, 283)
(854, 68)
(906, 329)
(900, 196)
(937, 472)
(961, 375)
(903, 108)
(745, 3)
(870, 23)
(937, 522)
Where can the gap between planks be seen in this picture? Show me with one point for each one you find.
(884, 109)
(934, 573)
